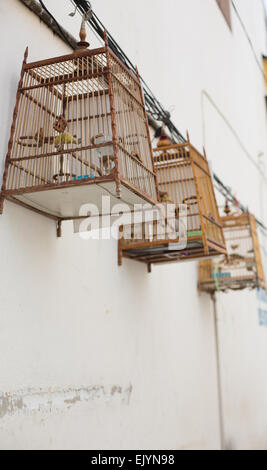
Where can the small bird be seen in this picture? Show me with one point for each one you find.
(234, 247)
(249, 267)
(39, 136)
(164, 197)
(65, 138)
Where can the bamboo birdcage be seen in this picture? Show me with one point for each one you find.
(79, 131)
(184, 175)
(242, 268)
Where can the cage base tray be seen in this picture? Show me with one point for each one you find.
(168, 252)
(228, 284)
(65, 202)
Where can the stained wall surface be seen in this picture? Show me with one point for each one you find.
(99, 356)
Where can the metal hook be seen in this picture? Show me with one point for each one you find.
(86, 16)
(74, 12)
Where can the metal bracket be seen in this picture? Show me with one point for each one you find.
(59, 228)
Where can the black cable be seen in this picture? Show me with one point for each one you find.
(58, 25)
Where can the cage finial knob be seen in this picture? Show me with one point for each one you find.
(83, 31)
(187, 136)
(83, 44)
(106, 37)
(227, 209)
(26, 54)
(164, 140)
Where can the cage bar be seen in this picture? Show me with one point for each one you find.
(242, 268)
(184, 179)
(79, 131)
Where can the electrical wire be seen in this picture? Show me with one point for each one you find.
(249, 39)
(205, 94)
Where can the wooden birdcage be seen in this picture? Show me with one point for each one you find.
(184, 179)
(242, 268)
(79, 131)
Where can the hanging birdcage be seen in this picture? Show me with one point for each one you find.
(184, 181)
(242, 268)
(79, 131)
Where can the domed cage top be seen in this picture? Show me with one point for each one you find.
(242, 268)
(79, 131)
(184, 179)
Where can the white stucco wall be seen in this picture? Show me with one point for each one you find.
(97, 356)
